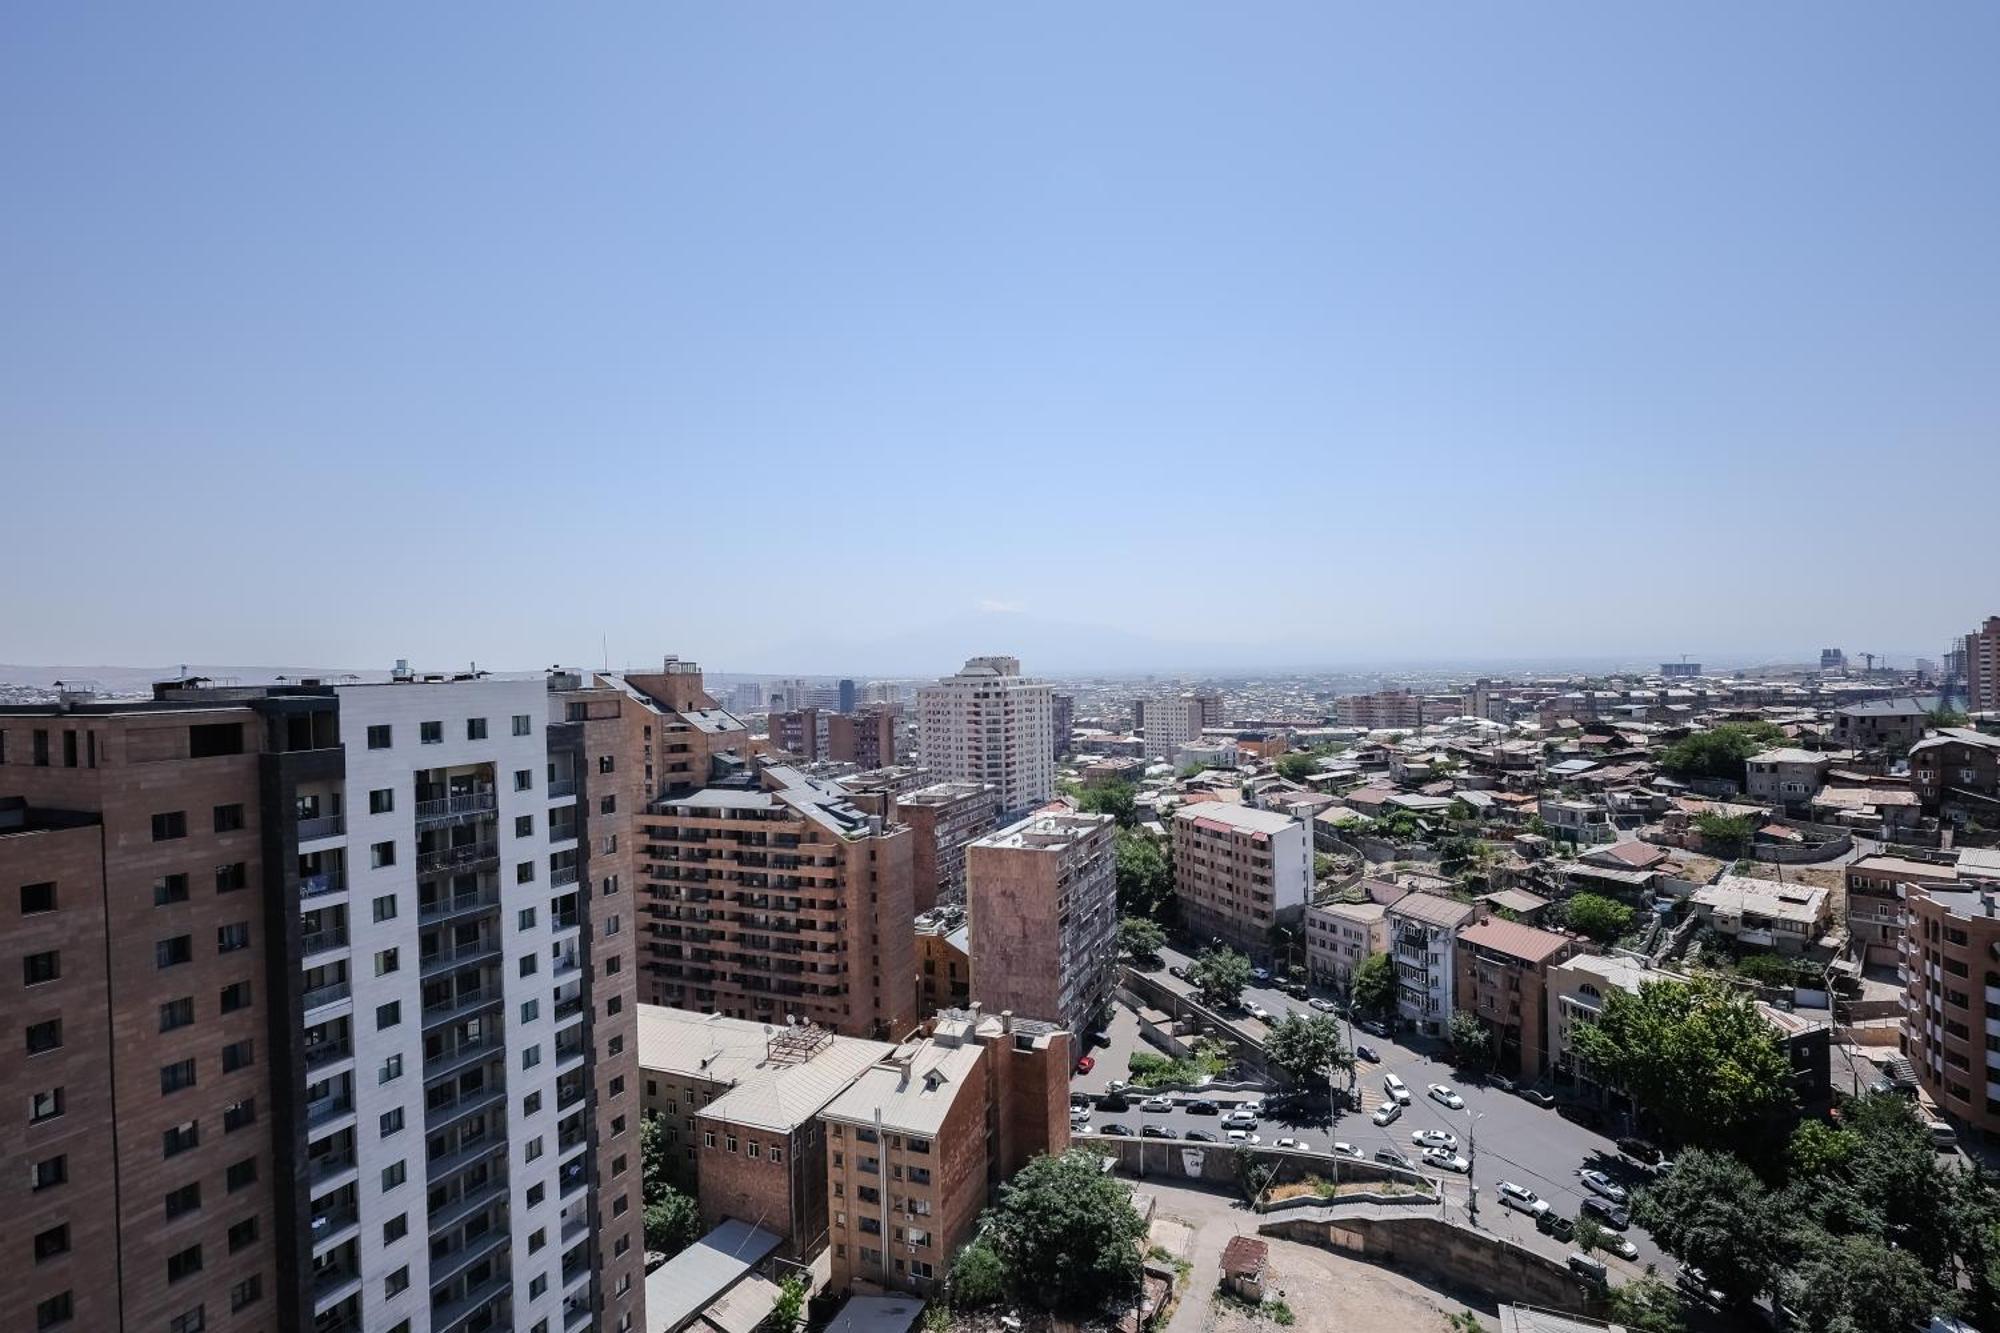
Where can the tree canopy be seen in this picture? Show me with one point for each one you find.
(1299, 765)
(1712, 1211)
(1141, 938)
(1307, 1046)
(1220, 975)
(1066, 1235)
(1695, 1056)
(1116, 799)
(1145, 876)
(1603, 919)
(1471, 1041)
(1374, 988)
(671, 1218)
(1720, 751)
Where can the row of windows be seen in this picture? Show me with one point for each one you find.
(382, 736)
(173, 823)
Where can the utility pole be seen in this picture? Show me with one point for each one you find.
(1472, 1166)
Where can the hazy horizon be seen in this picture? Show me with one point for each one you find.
(873, 338)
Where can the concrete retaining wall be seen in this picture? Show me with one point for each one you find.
(1444, 1253)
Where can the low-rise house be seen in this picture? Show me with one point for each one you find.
(1956, 774)
(1764, 913)
(1876, 886)
(1244, 1260)
(1517, 905)
(1112, 771)
(1882, 723)
(1502, 981)
(1887, 811)
(1339, 936)
(1576, 821)
(1423, 936)
(1786, 776)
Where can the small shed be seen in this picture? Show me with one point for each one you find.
(1243, 1262)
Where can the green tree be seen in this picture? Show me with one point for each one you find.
(1713, 1212)
(1727, 834)
(1220, 975)
(1307, 1046)
(978, 1277)
(1374, 987)
(1145, 876)
(1116, 799)
(1819, 1149)
(672, 1221)
(785, 1315)
(1719, 752)
(1859, 1284)
(1944, 716)
(1603, 919)
(1589, 1233)
(1298, 766)
(1695, 1056)
(1067, 1235)
(1141, 938)
(1647, 1305)
(1471, 1041)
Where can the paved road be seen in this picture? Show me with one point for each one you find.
(1515, 1139)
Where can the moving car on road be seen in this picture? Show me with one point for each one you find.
(1599, 1183)
(1442, 1093)
(1522, 1199)
(1363, 1051)
(1085, 1063)
(1446, 1160)
(1396, 1089)
(1323, 1006)
(1434, 1138)
(1162, 1102)
(1386, 1113)
(1349, 1150)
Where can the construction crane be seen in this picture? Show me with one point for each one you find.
(1869, 660)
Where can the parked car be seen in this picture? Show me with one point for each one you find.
(1153, 1131)
(1114, 1101)
(1255, 1106)
(1079, 1099)
(1521, 1199)
(1555, 1224)
(1396, 1089)
(1122, 1131)
(1623, 1248)
(1243, 1136)
(1323, 1006)
(1607, 1212)
(1199, 1136)
(1259, 1011)
(1539, 1096)
(1203, 1106)
(1260, 976)
(1295, 989)
(1241, 1119)
(1390, 1157)
(1434, 1138)
(1500, 1081)
(1363, 1051)
(1387, 1113)
(1443, 1094)
(1296, 1145)
(1639, 1151)
(1079, 1113)
(1375, 1027)
(1348, 1150)
(1162, 1102)
(1177, 972)
(1695, 1283)
(1085, 1063)
(1118, 1085)
(1599, 1183)
(1587, 1116)
(1446, 1160)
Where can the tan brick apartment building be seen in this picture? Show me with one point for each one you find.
(918, 1144)
(1953, 993)
(944, 818)
(1340, 936)
(1239, 872)
(1503, 973)
(1875, 889)
(1042, 903)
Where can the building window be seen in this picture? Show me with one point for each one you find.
(387, 961)
(607, 805)
(528, 963)
(525, 919)
(185, 1264)
(170, 889)
(380, 737)
(56, 1310)
(382, 854)
(174, 952)
(183, 1200)
(530, 1010)
(395, 1228)
(430, 733)
(50, 1243)
(390, 1123)
(475, 728)
(398, 1282)
(37, 898)
(524, 873)
(531, 1057)
(38, 968)
(393, 1175)
(181, 1138)
(238, 1114)
(230, 938)
(523, 724)
(243, 1235)
(607, 763)
(531, 1104)
(392, 1069)
(176, 1076)
(246, 1292)
(228, 818)
(536, 1193)
(48, 1173)
(524, 826)
(167, 827)
(381, 800)
(537, 1239)
(230, 878)
(238, 1055)
(241, 1174)
(388, 1015)
(385, 907)
(45, 1105)
(524, 779)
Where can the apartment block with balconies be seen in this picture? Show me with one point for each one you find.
(944, 819)
(1042, 903)
(1239, 873)
(991, 725)
(1951, 1018)
(1503, 970)
(1423, 946)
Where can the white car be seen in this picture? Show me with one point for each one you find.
(1243, 1136)
(1623, 1248)
(1255, 1106)
(1323, 1006)
(1078, 1114)
(1297, 1145)
(1241, 1119)
(1435, 1138)
(1259, 1011)
(1441, 1092)
(1446, 1160)
(1397, 1090)
(1117, 1085)
(1521, 1199)
(1157, 1104)
(1599, 1183)
(1386, 1113)
(1349, 1150)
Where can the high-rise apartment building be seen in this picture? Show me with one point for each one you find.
(1982, 667)
(1951, 939)
(1210, 702)
(869, 739)
(771, 896)
(1171, 722)
(1239, 872)
(351, 1080)
(1382, 709)
(1042, 900)
(943, 819)
(1062, 721)
(990, 724)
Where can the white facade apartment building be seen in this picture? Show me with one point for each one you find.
(990, 724)
(1339, 938)
(1423, 939)
(443, 1005)
(1171, 722)
(1240, 872)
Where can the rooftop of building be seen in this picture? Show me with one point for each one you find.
(1516, 900)
(945, 793)
(1765, 897)
(1788, 754)
(1904, 707)
(1856, 798)
(1046, 831)
(1514, 940)
(1361, 912)
(779, 1076)
(1903, 867)
(1959, 735)
(1236, 818)
(911, 1089)
(692, 1280)
(1635, 855)
(1972, 904)
(1432, 910)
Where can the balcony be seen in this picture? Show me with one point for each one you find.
(323, 941)
(333, 1284)
(563, 789)
(460, 1057)
(448, 1315)
(328, 1109)
(437, 1118)
(471, 805)
(320, 1054)
(325, 882)
(459, 955)
(571, 1179)
(460, 1005)
(459, 904)
(563, 874)
(321, 996)
(453, 1262)
(568, 1009)
(325, 826)
(456, 858)
(324, 1168)
(331, 1223)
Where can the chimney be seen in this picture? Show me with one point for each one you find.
(1006, 1020)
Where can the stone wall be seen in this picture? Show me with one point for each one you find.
(1443, 1253)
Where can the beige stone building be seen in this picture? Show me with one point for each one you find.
(990, 724)
(1042, 902)
(1240, 872)
(1340, 936)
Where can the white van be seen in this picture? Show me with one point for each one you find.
(1943, 1137)
(1397, 1090)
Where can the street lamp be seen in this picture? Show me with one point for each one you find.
(1472, 1119)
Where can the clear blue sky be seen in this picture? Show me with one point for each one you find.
(854, 337)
